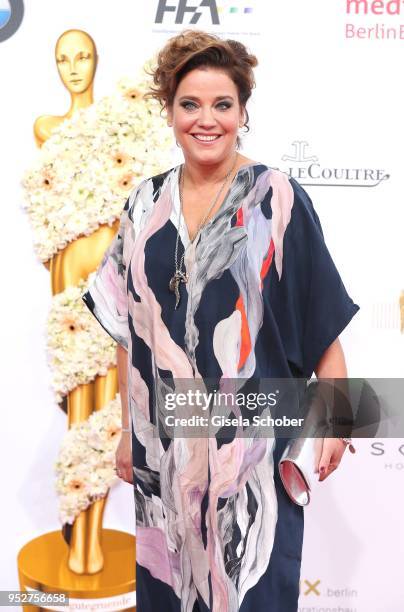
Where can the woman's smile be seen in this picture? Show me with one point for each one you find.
(206, 139)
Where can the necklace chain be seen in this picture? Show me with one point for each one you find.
(178, 266)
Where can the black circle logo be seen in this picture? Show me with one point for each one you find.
(11, 15)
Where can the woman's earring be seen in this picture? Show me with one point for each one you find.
(242, 132)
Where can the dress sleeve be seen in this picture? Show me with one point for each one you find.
(107, 296)
(309, 301)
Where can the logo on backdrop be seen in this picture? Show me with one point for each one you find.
(183, 8)
(11, 14)
(390, 455)
(374, 7)
(189, 12)
(304, 166)
(314, 588)
(364, 12)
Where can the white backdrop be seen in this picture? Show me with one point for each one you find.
(343, 97)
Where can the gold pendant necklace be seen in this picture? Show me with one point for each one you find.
(180, 276)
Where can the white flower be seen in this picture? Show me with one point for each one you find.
(79, 349)
(85, 470)
(76, 183)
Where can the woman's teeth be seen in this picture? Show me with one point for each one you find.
(205, 138)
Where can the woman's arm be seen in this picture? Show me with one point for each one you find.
(122, 364)
(124, 451)
(331, 365)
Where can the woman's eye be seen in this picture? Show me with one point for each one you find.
(187, 104)
(225, 104)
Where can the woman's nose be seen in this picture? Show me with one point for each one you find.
(206, 118)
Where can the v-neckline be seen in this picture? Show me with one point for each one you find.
(183, 224)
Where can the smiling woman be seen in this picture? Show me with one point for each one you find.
(204, 83)
(206, 124)
(219, 274)
(197, 49)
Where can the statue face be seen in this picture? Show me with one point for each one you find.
(76, 60)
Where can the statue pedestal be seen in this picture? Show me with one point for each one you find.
(42, 566)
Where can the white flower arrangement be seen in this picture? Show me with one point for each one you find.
(79, 349)
(89, 165)
(80, 180)
(85, 467)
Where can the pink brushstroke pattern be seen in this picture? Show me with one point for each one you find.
(281, 204)
(191, 455)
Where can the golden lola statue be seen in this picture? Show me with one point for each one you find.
(76, 58)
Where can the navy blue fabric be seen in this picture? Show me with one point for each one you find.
(310, 304)
(276, 591)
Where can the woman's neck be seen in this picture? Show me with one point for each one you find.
(203, 175)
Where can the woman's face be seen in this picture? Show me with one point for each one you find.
(206, 104)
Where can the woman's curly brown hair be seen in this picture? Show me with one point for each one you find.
(195, 48)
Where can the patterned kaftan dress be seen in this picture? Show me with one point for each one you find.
(215, 529)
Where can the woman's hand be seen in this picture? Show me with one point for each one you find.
(331, 365)
(123, 455)
(123, 458)
(333, 449)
